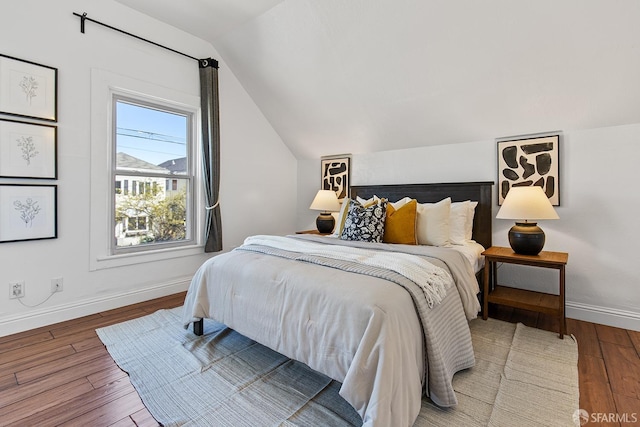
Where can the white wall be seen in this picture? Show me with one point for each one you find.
(258, 190)
(599, 202)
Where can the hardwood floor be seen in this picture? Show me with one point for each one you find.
(61, 375)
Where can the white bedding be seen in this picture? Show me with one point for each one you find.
(360, 330)
(472, 251)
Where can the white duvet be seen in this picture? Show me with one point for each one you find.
(360, 330)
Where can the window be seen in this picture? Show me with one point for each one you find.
(136, 224)
(152, 176)
(180, 99)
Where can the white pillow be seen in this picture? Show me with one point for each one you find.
(468, 230)
(458, 222)
(400, 203)
(365, 202)
(344, 210)
(433, 223)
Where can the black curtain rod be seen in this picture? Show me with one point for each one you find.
(83, 17)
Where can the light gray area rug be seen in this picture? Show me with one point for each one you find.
(523, 376)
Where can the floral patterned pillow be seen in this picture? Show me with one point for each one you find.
(365, 224)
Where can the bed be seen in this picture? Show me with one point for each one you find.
(372, 329)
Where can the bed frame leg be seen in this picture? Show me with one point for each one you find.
(198, 327)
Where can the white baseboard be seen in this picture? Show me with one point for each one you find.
(48, 316)
(604, 315)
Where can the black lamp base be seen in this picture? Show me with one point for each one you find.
(325, 223)
(526, 238)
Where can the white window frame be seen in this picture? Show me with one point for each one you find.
(104, 85)
(138, 186)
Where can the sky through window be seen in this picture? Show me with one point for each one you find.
(150, 135)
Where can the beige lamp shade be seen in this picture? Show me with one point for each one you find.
(326, 201)
(526, 203)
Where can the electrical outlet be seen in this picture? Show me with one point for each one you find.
(56, 285)
(16, 289)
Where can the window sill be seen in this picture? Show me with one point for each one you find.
(131, 258)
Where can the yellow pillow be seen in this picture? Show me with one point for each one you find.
(400, 224)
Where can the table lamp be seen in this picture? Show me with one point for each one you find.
(327, 202)
(525, 204)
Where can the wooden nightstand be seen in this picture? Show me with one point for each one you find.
(519, 298)
(312, 232)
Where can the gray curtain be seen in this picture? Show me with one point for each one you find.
(211, 152)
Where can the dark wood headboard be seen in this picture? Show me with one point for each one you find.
(431, 193)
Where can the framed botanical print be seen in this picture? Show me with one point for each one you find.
(335, 176)
(28, 89)
(528, 162)
(28, 212)
(28, 150)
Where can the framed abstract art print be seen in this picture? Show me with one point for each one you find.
(527, 162)
(335, 174)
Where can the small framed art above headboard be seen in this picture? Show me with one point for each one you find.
(432, 193)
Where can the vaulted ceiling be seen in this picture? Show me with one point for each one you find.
(352, 76)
